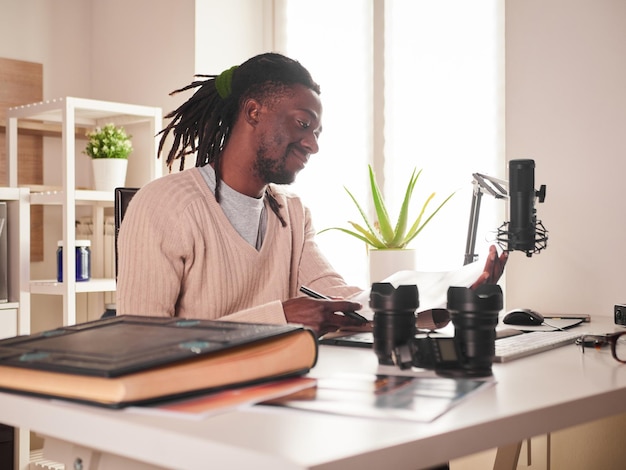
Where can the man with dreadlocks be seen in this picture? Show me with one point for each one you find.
(222, 240)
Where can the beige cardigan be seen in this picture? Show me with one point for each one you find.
(180, 256)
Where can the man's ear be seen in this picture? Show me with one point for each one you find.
(252, 111)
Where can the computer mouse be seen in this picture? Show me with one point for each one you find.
(523, 317)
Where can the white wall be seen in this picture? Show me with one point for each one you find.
(228, 33)
(144, 49)
(55, 34)
(566, 108)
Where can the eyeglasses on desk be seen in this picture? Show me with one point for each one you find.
(617, 342)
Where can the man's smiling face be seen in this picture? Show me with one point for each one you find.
(289, 129)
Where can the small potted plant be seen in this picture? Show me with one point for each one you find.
(385, 239)
(109, 147)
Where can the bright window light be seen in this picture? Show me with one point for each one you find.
(443, 113)
(338, 55)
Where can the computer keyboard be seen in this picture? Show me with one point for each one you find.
(527, 344)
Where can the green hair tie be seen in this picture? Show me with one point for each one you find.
(224, 82)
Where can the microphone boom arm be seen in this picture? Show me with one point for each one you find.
(482, 184)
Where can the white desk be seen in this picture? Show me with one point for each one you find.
(533, 396)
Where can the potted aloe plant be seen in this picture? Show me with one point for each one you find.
(382, 237)
(109, 147)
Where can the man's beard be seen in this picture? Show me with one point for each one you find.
(271, 170)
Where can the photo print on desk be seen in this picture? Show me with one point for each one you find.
(385, 396)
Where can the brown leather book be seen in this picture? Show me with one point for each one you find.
(132, 359)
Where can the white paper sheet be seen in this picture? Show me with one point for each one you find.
(432, 286)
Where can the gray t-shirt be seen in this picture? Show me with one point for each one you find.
(246, 214)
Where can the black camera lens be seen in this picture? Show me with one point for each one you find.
(474, 313)
(394, 317)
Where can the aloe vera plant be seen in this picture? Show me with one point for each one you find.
(381, 234)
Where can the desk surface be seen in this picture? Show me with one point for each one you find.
(533, 396)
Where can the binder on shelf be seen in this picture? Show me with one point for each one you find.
(131, 359)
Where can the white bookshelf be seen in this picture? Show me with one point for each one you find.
(68, 115)
(65, 118)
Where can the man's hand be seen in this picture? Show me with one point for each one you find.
(494, 267)
(320, 315)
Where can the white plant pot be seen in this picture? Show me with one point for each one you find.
(383, 263)
(109, 173)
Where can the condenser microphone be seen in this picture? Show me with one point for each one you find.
(524, 232)
(522, 212)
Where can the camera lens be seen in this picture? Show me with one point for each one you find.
(474, 314)
(394, 317)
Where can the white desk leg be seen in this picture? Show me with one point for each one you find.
(22, 448)
(507, 457)
(537, 454)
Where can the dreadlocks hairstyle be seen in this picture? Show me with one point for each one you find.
(202, 125)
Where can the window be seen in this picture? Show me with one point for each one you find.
(442, 109)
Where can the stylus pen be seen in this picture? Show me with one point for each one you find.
(317, 295)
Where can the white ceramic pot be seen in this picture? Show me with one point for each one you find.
(109, 173)
(383, 263)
